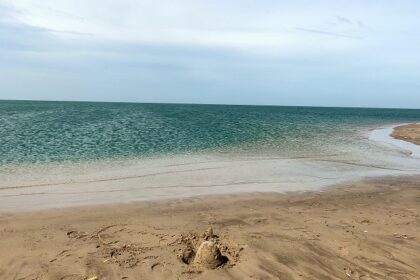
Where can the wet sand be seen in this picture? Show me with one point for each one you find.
(409, 132)
(369, 230)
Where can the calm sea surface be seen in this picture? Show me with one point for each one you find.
(62, 154)
(45, 132)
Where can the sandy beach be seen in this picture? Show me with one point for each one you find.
(369, 230)
(410, 133)
(363, 230)
(209, 140)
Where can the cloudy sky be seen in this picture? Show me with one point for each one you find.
(322, 53)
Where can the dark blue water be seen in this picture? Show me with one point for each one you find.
(34, 132)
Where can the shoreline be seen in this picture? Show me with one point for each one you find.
(399, 136)
(194, 176)
(364, 229)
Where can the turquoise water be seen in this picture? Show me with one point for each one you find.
(43, 132)
(62, 154)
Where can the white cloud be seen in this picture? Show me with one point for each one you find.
(244, 25)
(170, 49)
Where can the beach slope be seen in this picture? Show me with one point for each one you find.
(369, 230)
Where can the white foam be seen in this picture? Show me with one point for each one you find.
(383, 135)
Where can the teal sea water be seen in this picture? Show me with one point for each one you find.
(62, 154)
(44, 132)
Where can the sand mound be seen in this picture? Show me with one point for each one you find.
(208, 234)
(208, 255)
(205, 251)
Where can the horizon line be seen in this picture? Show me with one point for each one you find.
(214, 104)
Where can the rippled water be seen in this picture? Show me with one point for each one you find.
(59, 154)
(33, 132)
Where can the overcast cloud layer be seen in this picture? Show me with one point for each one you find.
(321, 53)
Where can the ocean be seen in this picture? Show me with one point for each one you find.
(35, 132)
(76, 145)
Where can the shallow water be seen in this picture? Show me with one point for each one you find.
(383, 135)
(57, 154)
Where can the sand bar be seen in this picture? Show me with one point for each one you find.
(409, 132)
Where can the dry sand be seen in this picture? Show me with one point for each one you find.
(409, 132)
(370, 230)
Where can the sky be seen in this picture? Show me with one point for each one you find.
(352, 53)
